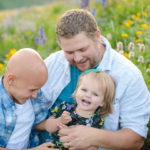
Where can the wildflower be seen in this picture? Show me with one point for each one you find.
(103, 2)
(108, 36)
(37, 40)
(12, 51)
(99, 19)
(42, 35)
(144, 13)
(138, 32)
(141, 47)
(126, 55)
(119, 46)
(148, 70)
(128, 24)
(1, 66)
(131, 54)
(138, 40)
(138, 15)
(144, 26)
(131, 46)
(149, 66)
(7, 56)
(42, 38)
(28, 33)
(84, 3)
(94, 12)
(124, 35)
(121, 52)
(133, 16)
(141, 59)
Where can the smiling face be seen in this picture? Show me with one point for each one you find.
(25, 73)
(89, 95)
(23, 89)
(81, 51)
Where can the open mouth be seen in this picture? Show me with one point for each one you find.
(86, 102)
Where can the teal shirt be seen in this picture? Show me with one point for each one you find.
(66, 94)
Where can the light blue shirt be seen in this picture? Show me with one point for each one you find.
(8, 117)
(132, 99)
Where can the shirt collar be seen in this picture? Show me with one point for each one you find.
(7, 101)
(105, 63)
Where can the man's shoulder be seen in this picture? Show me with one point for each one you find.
(55, 57)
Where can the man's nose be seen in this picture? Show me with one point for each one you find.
(77, 57)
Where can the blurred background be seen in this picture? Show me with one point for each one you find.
(12, 4)
(31, 23)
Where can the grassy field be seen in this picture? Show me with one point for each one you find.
(125, 23)
(12, 4)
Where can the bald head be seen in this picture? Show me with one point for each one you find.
(27, 64)
(25, 74)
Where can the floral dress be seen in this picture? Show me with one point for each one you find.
(94, 121)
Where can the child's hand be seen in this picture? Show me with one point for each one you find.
(60, 125)
(65, 117)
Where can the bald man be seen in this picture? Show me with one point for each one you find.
(20, 109)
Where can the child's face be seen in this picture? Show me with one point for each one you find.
(89, 95)
(22, 90)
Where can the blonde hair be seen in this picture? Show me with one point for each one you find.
(75, 21)
(107, 83)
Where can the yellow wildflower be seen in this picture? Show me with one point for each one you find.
(144, 26)
(12, 51)
(133, 16)
(138, 40)
(28, 33)
(138, 32)
(138, 15)
(1, 66)
(144, 13)
(124, 35)
(126, 55)
(128, 24)
(55, 110)
(149, 66)
(7, 56)
(129, 21)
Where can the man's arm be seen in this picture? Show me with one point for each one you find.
(124, 139)
(45, 146)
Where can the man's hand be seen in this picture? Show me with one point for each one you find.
(76, 137)
(45, 146)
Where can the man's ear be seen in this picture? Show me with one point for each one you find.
(10, 79)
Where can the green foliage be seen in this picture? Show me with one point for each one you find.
(124, 20)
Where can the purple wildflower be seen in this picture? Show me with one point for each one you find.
(103, 2)
(37, 40)
(99, 19)
(42, 35)
(84, 3)
(94, 12)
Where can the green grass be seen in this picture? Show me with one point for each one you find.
(12, 4)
